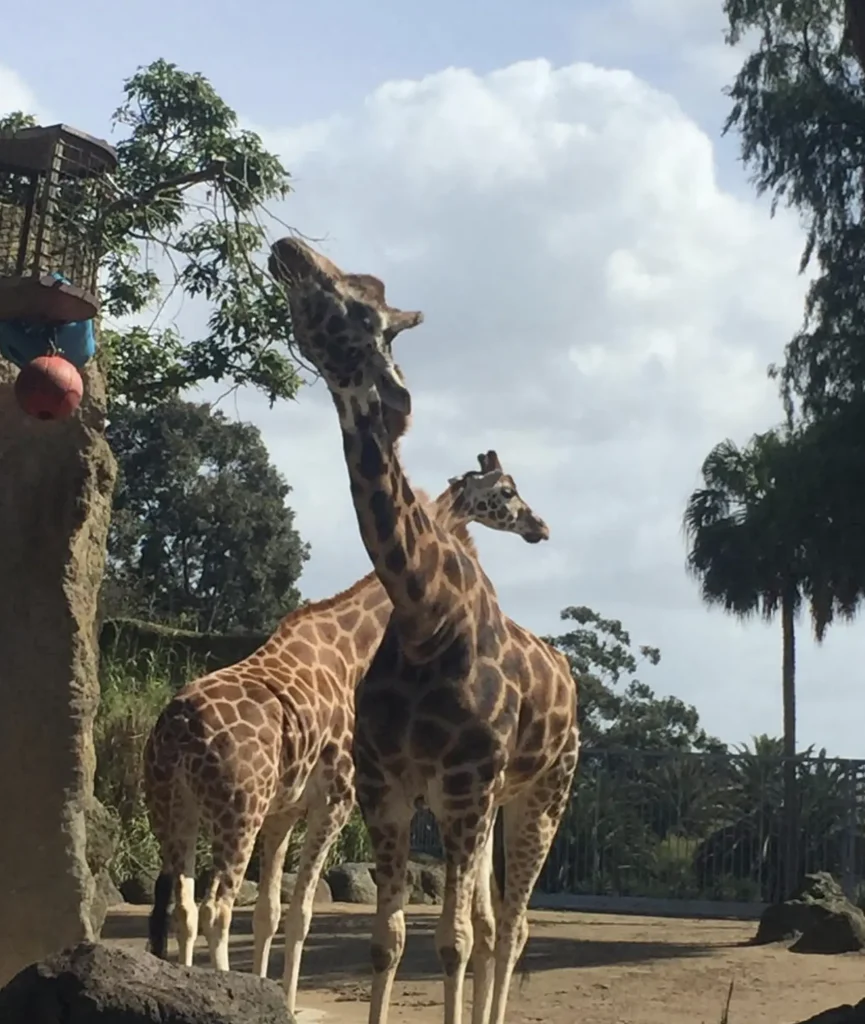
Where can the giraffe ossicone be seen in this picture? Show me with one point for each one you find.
(461, 709)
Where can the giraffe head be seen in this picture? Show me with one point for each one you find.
(344, 327)
(490, 497)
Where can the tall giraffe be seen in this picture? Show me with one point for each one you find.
(461, 709)
(256, 746)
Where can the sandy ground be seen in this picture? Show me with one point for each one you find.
(590, 968)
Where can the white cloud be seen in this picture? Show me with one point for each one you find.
(16, 95)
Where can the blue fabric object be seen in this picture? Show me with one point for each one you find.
(22, 342)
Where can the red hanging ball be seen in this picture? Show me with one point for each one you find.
(49, 388)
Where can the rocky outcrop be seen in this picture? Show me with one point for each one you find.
(55, 501)
(819, 918)
(102, 833)
(93, 984)
(355, 882)
(846, 1014)
(352, 883)
(323, 894)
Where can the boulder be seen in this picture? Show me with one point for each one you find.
(323, 894)
(426, 880)
(846, 1014)
(93, 984)
(138, 888)
(355, 882)
(55, 503)
(246, 895)
(819, 918)
(352, 883)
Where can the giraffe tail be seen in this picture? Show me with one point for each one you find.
(158, 924)
(499, 851)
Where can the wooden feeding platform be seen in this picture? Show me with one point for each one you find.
(53, 196)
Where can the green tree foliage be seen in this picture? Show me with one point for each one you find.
(190, 187)
(201, 536)
(601, 657)
(799, 106)
(747, 542)
(752, 546)
(635, 803)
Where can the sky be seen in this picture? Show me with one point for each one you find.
(603, 291)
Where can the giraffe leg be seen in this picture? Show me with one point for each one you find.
(390, 834)
(530, 825)
(179, 861)
(324, 823)
(454, 935)
(275, 835)
(484, 948)
(230, 859)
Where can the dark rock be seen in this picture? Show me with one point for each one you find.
(819, 917)
(426, 880)
(323, 895)
(839, 1015)
(355, 882)
(840, 931)
(138, 888)
(247, 894)
(352, 883)
(93, 984)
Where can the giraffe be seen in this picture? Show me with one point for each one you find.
(461, 709)
(258, 745)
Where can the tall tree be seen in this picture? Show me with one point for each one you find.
(747, 533)
(201, 536)
(798, 103)
(192, 188)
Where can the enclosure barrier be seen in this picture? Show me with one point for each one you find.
(667, 828)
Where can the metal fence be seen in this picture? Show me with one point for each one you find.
(674, 826)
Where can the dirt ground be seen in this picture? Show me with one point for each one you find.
(591, 968)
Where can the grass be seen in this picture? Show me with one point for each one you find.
(132, 697)
(130, 702)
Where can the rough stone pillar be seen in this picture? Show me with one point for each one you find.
(56, 483)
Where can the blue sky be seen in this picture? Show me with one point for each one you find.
(296, 62)
(603, 291)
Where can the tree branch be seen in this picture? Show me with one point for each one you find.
(214, 171)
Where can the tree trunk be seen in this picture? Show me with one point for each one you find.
(56, 483)
(790, 823)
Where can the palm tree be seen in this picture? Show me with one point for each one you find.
(748, 547)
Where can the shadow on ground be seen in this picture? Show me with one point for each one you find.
(338, 947)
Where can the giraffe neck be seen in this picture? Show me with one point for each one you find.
(354, 620)
(418, 560)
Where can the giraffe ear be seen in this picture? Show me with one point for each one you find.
(402, 320)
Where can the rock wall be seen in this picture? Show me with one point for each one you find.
(56, 482)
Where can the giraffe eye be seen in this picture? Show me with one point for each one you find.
(508, 493)
(361, 315)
